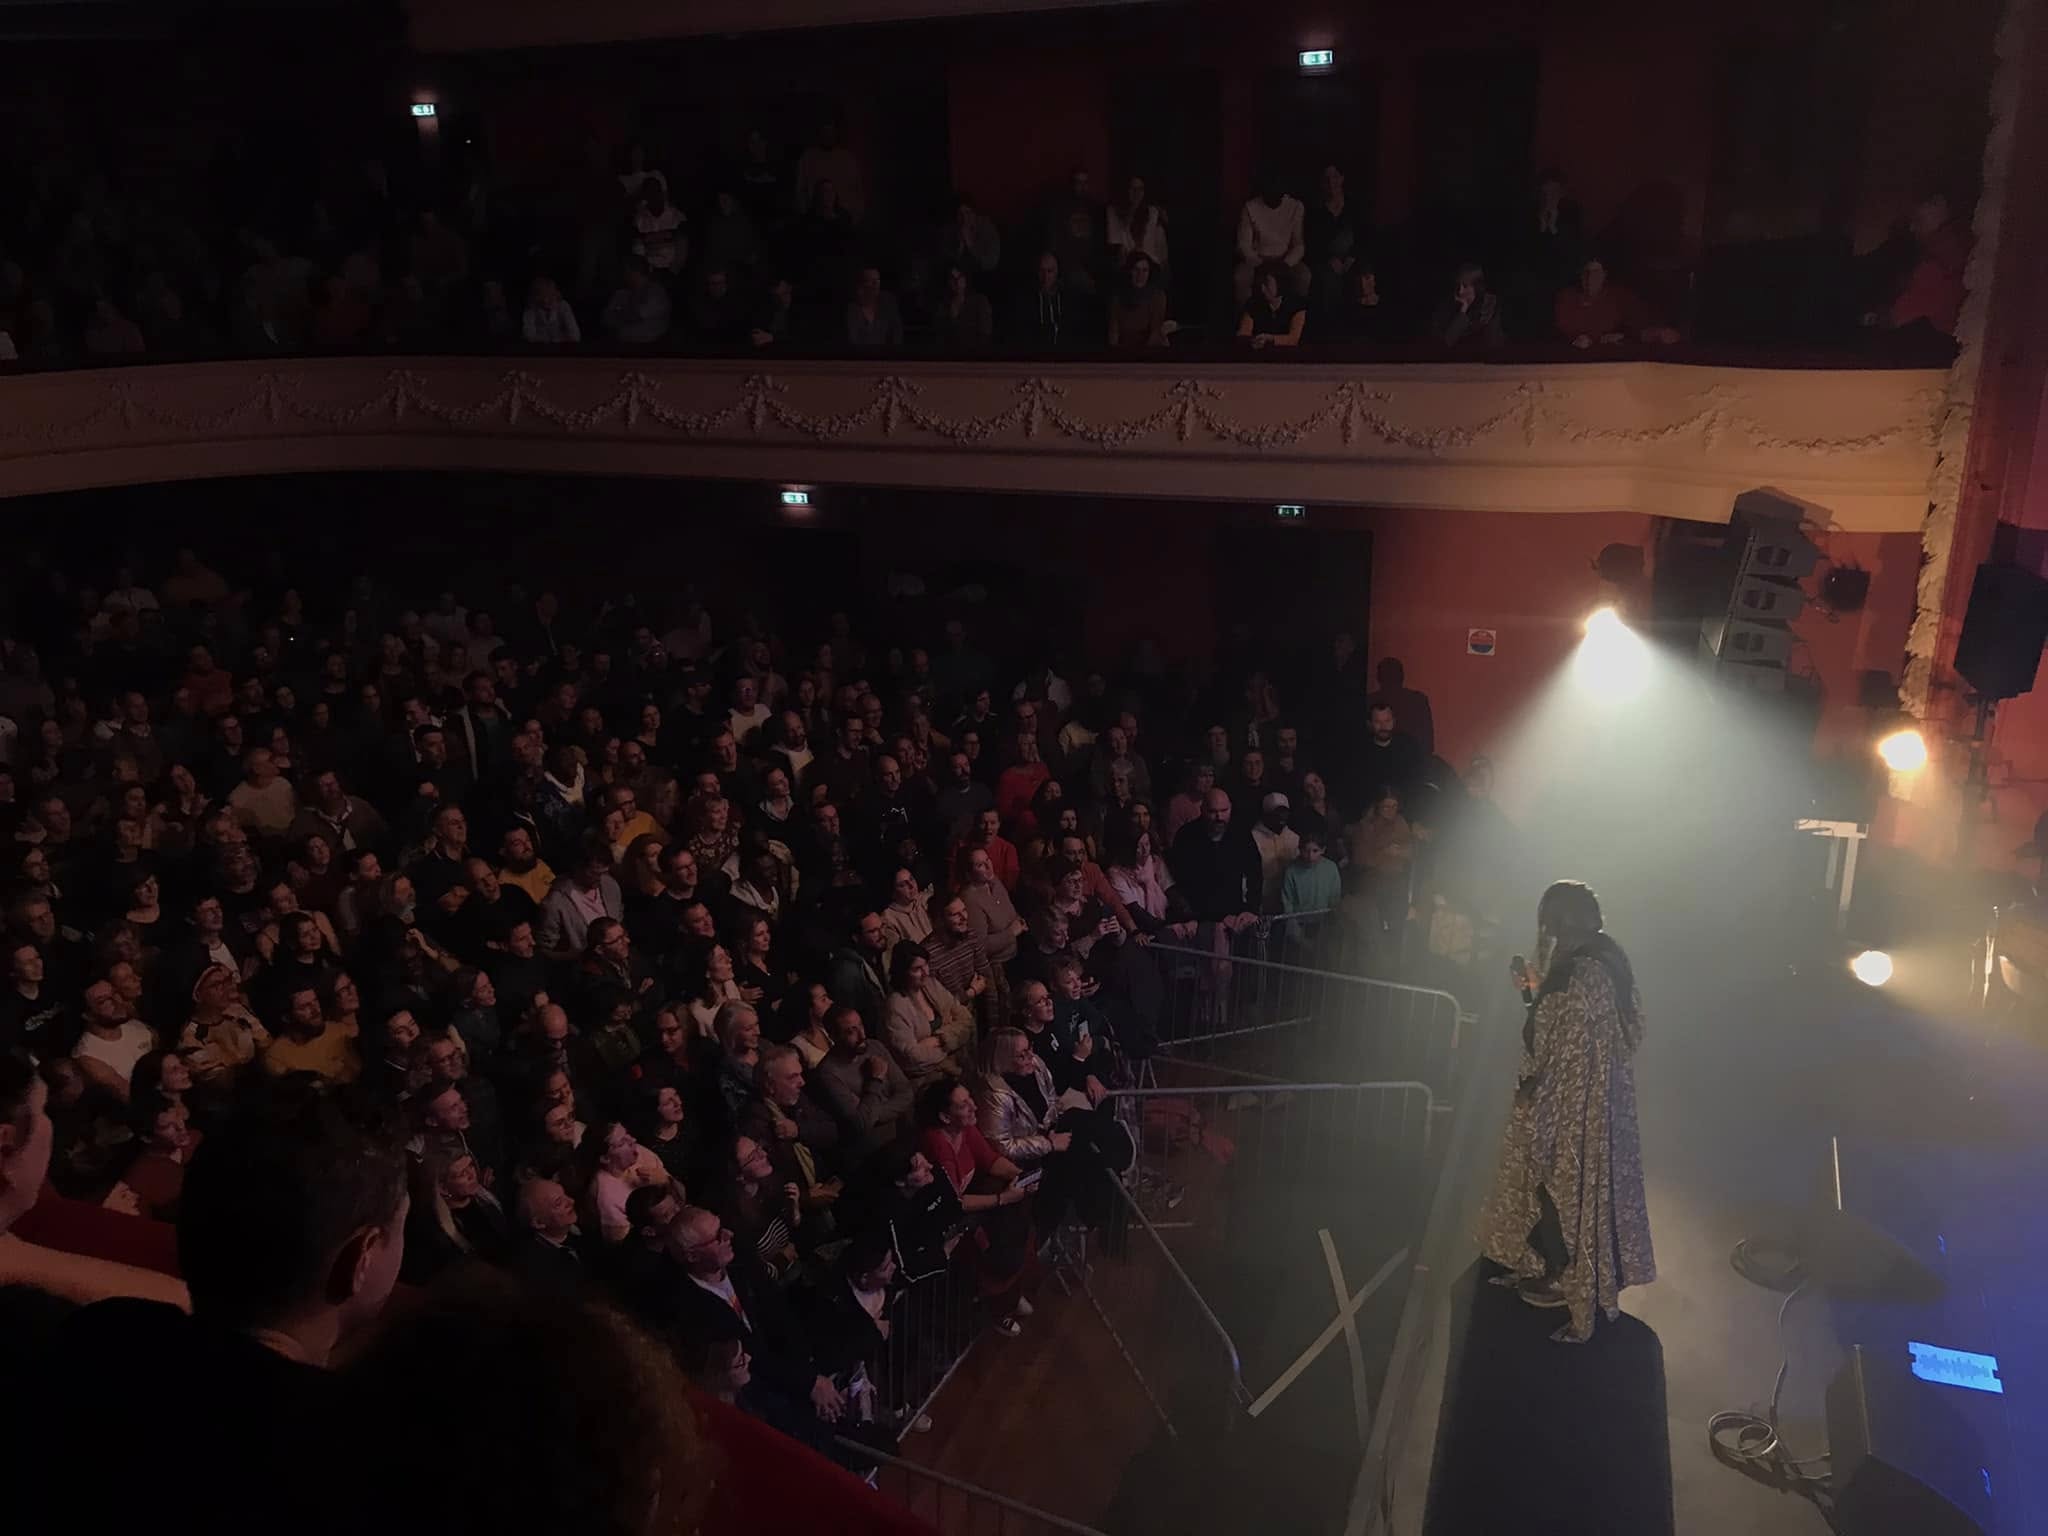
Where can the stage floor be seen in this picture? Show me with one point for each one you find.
(1944, 1129)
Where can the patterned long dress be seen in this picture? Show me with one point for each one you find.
(1573, 1133)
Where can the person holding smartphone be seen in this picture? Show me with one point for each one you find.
(986, 1187)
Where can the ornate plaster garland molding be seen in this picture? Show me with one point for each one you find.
(1637, 424)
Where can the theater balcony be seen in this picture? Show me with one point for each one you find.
(1655, 435)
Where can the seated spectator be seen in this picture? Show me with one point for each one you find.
(1138, 225)
(1358, 315)
(638, 311)
(907, 919)
(264, 801)
(343, 317)
(109, 333)
(548, 321)
(1596, 311)
(1137, 313)
(1270, 234)
(861, 1082)
(770, 324)
(717, 317)
(736, 1027)
(1469, 316)
(1932, 293)
(1053, 315)
(1272, 318)
(961, 321)
(872, 318)
(928, 1029)
(599, 1436)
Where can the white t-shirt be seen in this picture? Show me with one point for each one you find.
(746, 722)
(661, 241)
(119, 1054)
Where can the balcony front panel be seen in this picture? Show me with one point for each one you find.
(1673, 439)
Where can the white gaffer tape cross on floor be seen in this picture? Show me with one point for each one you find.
(1346, 1323)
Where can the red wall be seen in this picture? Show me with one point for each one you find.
(1528, 577)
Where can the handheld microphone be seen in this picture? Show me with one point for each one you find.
(1518, 967)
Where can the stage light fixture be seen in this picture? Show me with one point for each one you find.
(1904, 751)
(1873, 967)
(1612, 662)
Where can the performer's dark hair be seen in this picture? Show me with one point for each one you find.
(1570, 908)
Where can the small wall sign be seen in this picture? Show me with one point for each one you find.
(1480, 642)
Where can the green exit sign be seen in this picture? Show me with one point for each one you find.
(1290, 512)
(1317, 58)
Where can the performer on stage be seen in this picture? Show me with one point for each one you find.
(1567, 1217)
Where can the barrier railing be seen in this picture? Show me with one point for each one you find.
(1293, 1023)
(956, 1508)
(1299, 1169)
(933, 1323)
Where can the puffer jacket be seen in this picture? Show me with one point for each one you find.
(1009, 1123)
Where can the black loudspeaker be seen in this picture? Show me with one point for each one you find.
(1903, 1462)
(2000, 650)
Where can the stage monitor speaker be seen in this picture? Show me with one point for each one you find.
(2003, 631)
(1850, 1255)
(1903, 1463)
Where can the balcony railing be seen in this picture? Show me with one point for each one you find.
(1657, 435)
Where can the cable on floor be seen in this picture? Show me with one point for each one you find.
(1752, 1443)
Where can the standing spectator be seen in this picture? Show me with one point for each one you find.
(549, 321)
(1215, 867)
(1137, 315)
(1138, 225)
(659, 237)
(857, 971)
(928, 1029)
(112, 1042)
(1469, 316)
(1410, 706)
(576, 902)
(1270, 231)
(264, 801)
(291, 1230)
(829, 161)
(1335, 235)
(872, 318)
(861, 1082)
(1277, 844)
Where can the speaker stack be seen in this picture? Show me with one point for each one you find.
(2003, 630)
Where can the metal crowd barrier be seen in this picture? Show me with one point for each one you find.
(1294, 1023)
(1214, 1159)
(933, 1322)
(956, 1508)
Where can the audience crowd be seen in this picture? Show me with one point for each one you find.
(734, 972)
(776, 252)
